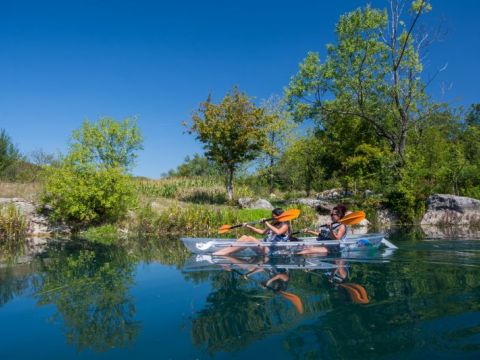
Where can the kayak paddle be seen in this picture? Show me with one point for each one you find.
(287, 215)
(353, 218)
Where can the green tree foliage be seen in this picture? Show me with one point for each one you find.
(107, 143)
(232, 132)
(372, 75)
(9, 153)
(279, 132)
(196, 166)
(90, 185)
(299, 167)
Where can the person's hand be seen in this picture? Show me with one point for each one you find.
(329, 225)
(263, 220)
(305, 230)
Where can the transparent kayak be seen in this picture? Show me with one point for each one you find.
(352, 243)
(205, 262)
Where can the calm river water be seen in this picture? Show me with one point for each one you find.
(150, 299)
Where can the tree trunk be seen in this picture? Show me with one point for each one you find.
(229, 184)
(270, 174)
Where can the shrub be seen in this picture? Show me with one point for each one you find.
(404, 204)
(87, 196)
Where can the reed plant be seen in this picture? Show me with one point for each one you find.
(13, 224)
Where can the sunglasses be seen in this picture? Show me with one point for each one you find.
(333, 214)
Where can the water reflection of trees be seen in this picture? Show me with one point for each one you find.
(406, 297)
(12, 283)
(237, 313)
(89, 288)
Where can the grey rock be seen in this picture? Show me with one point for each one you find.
(385, 218)
(333, 194)
(315, 203)
(249, 203)
(445, 209)
(38, 224)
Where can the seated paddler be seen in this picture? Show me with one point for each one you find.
(274, 231)
(334, 230)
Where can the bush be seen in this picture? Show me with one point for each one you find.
(87, 196)
(405, 205)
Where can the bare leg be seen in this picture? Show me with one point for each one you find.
(320, 250)
(233, 249)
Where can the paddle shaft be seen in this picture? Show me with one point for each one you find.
(249, 223)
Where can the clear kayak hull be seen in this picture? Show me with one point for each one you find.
(352, 243)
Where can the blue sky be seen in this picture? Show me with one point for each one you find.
(65, 61)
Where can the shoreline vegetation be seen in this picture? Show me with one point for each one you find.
(368, 129)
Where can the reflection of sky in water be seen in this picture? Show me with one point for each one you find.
(423, 300)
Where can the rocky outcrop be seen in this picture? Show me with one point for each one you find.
(38, 224)
(445, 209)
(249, 203)
(333, 194)
(322, 205)
(385, 218)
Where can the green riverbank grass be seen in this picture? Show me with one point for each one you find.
(198, 190)
(202, 220)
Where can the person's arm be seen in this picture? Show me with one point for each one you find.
(278, 231)
(307, 231)
(338, 235)
(283, 277)
(254, 229)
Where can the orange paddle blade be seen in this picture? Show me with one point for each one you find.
(356, 292)
(288, 215)
(294, 299)
(353, 218)
(224, 228)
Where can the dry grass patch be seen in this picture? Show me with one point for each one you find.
(27, 191)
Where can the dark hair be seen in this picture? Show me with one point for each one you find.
(278, 285)
(277, 211)
(341, 209)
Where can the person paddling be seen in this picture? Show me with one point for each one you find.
(274, 232)
(333, 231)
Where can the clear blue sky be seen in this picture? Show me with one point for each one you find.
(65, 61)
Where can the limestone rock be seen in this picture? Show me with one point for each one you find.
(324, 206)
(38, 224)
(386, 218)
(249, 203)
(444, 209)
(333, 194)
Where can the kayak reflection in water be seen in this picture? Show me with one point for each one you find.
(274, 232)
(332, 231)
(278, 277)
